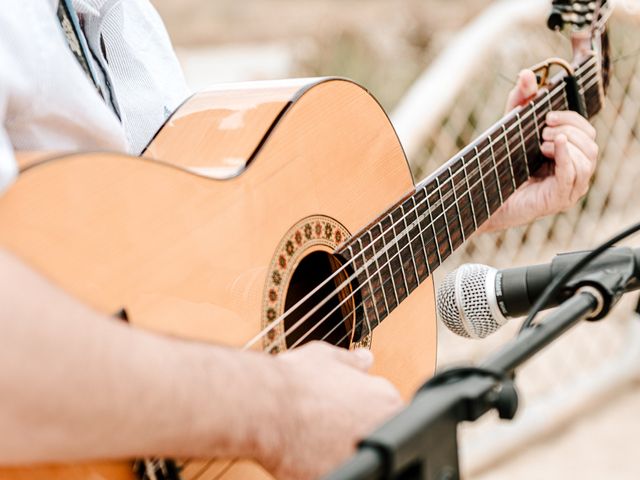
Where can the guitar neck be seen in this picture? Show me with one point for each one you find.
(401, 248)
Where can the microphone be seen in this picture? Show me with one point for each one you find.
(475, 300)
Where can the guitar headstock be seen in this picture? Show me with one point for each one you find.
(579, 14)
(586, 23)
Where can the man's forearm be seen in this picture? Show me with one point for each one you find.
(77, 385)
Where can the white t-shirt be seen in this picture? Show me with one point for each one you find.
(48, 103)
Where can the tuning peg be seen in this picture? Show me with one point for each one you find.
(559, 8)
(578, 13)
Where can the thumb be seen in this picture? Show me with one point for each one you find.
(360, 358)
(526, 87)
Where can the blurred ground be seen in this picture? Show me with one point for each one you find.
(385, 44)
(603, 445)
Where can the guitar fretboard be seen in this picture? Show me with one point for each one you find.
(397, 252)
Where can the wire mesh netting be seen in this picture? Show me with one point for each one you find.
(611, 204)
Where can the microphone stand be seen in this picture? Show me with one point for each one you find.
(421, 442)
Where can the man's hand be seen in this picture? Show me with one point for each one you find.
(569, 141)
(333, 403)
(299, 413)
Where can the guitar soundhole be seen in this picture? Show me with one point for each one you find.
(334, 320)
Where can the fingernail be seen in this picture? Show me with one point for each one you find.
(365, 356)
(551, 117)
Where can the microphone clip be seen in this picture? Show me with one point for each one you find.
(606, 280)
(503, 397)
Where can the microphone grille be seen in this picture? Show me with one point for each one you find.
(464, 301)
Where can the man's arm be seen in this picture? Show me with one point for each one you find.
(77, 385)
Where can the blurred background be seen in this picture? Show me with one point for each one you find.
(442, 68)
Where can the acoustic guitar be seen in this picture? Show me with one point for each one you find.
(267, 215)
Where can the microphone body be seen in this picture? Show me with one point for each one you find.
(475, 300)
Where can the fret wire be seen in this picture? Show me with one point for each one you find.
(363, 303)
(550, 108)
(404, 278)
(465, 171)
(457, 227)
(599, 94)
(433, 228)
(445, 209)
(454, 192)
(440, 202)
(420, 233)
(495, 169)
(471, 186)
(262, 333)
(593, 68)
(391, 228)
(369, 278)
(548, 97)
(519, 123)
(524, 148)
(484, 188)
(444, 213)
(379, 271)
(340, 305)
(413, 256)
(149, 469)
(473, 210)
(424, 248)
(462, 195)
(455, 202)
(565, 98)
(432, 225)
(548, 94)
(509, 158)
(593, 81)
(435, 237)
(580, 89)
(365, 311)
(535, 119)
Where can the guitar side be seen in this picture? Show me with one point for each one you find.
(159, 224)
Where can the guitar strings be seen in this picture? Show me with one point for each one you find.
(248, 345)
(431, 223)
(270, 327)
(589, 84)
(371, 296)
(383, 283)
(337, 272)
(398, 255)
(546, 94)
(299, 303)
(402, 234)
(266, 330)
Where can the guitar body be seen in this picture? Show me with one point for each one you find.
(187, 239)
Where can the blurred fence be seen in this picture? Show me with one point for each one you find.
(592, 359)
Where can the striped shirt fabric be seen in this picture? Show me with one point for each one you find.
(47, 102)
